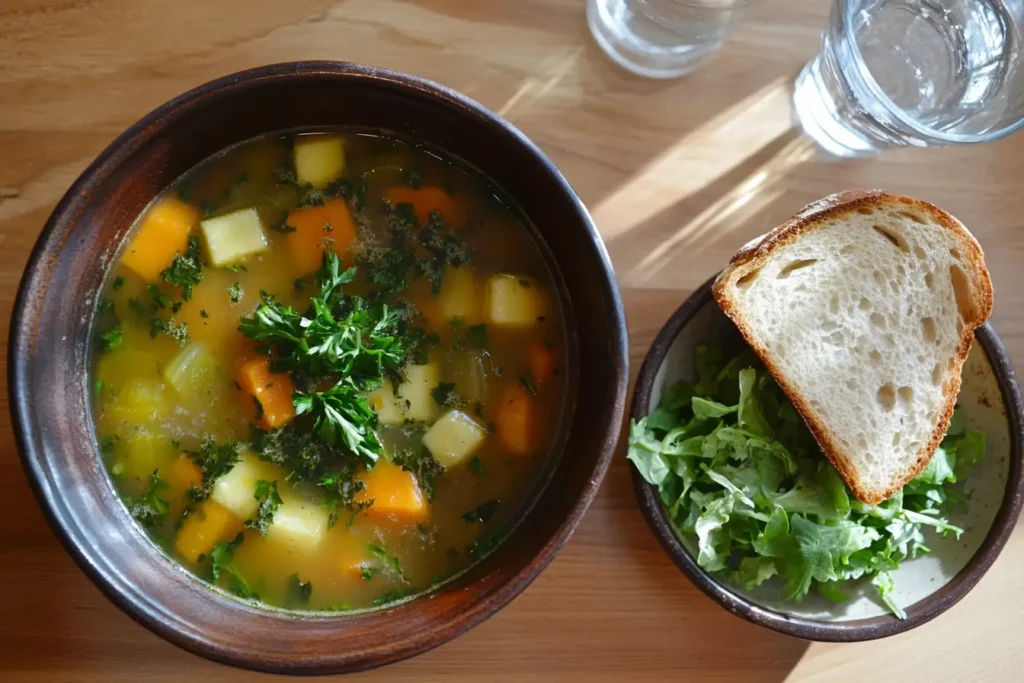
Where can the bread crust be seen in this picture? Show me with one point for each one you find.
(754, 255)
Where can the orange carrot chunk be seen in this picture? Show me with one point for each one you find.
(163, 233)
(317, 229)
(427, 199)
(542, 363)
(272, 391)
(207, 526)
(517, 421)
(396, 495)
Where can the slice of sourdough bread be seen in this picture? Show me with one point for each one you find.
(863, 308)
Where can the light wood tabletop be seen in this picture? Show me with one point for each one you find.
(678, 174)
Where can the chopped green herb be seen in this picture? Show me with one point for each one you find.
(107, 444)
(413, 179)
(282, 226)
(235, 292)
(221, 555)
(386, 560)
(476, 466)
(482, 513)
(237, 268)
(112, 338)
(213, 461)
(367, 573)
(422, 466)
(478, 334)
(118, 283)
(269, 501)
(392, 595)
(106, 306)
(185, 271)
(445, 395)
(486, 544)
(203, 313)
(97, 388)
(346, 340)
(299, 591)
(527, 383)
(151, 510)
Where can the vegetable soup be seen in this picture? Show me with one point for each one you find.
(329, 369)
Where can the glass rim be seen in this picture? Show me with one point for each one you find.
(868, 81)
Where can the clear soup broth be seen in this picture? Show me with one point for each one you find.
(329, 369)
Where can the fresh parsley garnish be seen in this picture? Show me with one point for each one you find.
(445, 396)
(213, 460)
(299, 591)
(422, 466)
(269, 501)
(118, 283)
(112, 338)
(235, 292)
(482, 513)
(476, 466)
(185, 270)
(151, 510)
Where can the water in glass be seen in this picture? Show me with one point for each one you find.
(913, 72)
(662, 38)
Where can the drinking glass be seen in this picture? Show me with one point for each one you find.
(662, 38)
(913, 72)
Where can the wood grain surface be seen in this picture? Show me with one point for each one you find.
(678, 175)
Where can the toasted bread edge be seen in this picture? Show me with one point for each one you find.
(754, 255)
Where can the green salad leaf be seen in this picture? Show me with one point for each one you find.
(739, 473)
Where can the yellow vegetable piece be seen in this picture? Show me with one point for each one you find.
(207, 526)
(396, 495)
(453, 438)
(319, 159)
(234, 236)
(163, 233)
(514, 301)
(460, 296)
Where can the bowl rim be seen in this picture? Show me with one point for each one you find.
(20, 343)
(817, 629)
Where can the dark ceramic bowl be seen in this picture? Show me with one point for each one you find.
(50, 350)
(926, 586)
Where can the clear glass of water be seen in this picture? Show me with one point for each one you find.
(914, 72)
(663, 38)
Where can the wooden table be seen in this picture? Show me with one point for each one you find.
(678, 175)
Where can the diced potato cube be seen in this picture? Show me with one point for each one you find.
(207, 526)
(163, 233)
(415, 400)
(233, 236)
(459, 296)
(195, 373)
(396, 495)
(236, 490)
(319, 159)
(300, 526)
(454, 438)
(514, 301)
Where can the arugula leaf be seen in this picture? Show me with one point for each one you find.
(739, 472)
